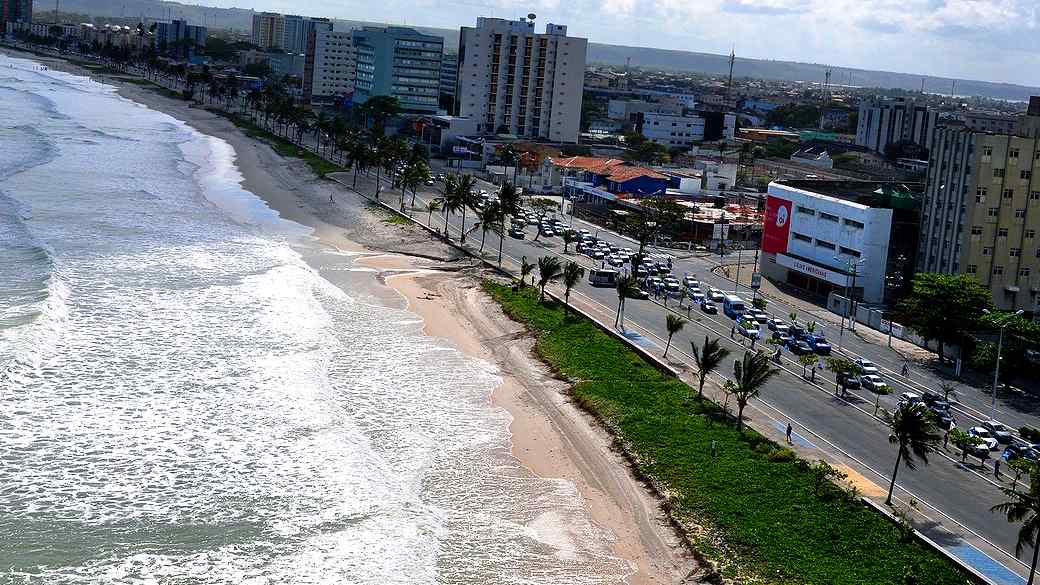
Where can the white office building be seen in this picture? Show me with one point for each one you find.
(331, 66)
(678, 131)
(516, 81)
(883, 122)
(830, 236)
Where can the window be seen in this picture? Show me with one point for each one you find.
(1034, 195)
(806, 210)
(824, 244)
(1020, 213)
(1009, 193)
(987, 151)
(1023, 272)
(850, 252)
(998, 270)
(1025, 175)
(994, 211)
(976, 230)
(1002, 232)
(987, 251)
(972, 269)
(1030, 234)
(1013, 153)
(802, 238)
(854, 223)
(829, 217)
(998, 172)
(1015, 252)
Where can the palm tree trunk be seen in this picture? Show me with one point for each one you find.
(617, 318)
(377, 183)
(483, 236)
(667, 346)
(355, 177)
(463, 230)
(447, 236)
(740, 417)
(1032, 571)
(700, 387)
(501, 239)
(895, 471)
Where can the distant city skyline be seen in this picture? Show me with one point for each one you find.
(989, 40)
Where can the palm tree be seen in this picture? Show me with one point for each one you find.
(708, 357)
(572, 274)
(431, 206)
(549, 270)
(626, 287)
(489, 219)
(569, 237)
(1024, 507)
(674, 325)
(415, 173)
(509, 200)
(525, 269)
(357, 150)
(749, 375)
(464, 194)
(449, 199)
(321, 122)
(914, 430)
(377, 146)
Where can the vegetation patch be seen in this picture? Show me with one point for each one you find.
(281, 145)
(766, 511)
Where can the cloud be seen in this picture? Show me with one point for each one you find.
(766, 7)
(875, 24)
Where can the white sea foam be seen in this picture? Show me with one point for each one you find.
(192, 403)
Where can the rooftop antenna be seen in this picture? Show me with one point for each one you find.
(827, 79)
(729, 84)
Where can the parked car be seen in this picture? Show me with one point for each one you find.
(943, 416)
(782, 339)
(516, 233)
(818, 343)
(747, 329)
(797, 331)
(905, 397)
(696, 296)
(716, 295)
(868, 367)
(709, 307)
(874, 383)
(774, 323)
(1000, 432)
(638, 293)
(758, 316)
(1012, 452)
(848, 381)
(987, 439)
(691, 282)
(799, 347)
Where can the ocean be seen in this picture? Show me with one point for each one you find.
(184, 398)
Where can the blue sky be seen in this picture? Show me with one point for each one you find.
(992, 40)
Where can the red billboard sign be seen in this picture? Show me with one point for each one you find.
(777, 225)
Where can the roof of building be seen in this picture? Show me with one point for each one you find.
(588, 163)
(620, 174)
(878, 194)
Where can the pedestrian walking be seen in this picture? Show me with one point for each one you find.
(790, 430)
(732, 331)
(996, 467)
(331, 200)
(946, 439)
(906, 370)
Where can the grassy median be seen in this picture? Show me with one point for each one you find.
(768, 519)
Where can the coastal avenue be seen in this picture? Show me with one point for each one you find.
(945, 490)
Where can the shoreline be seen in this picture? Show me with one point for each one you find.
(549, 435)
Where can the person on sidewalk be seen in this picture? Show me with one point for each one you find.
(906, 370)
(732, 331)
(946, 439)
(790, 430)
(996, 468)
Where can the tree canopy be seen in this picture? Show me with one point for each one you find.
(944, 307)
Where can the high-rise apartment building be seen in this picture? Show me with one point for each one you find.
(268, 30)
(981, 211)
(516, 81)
(297, 30)
(400, 62)
(449, 79)
(177, 37)
(287, 32)
(884, 122)
(330, 66)
(15, 11)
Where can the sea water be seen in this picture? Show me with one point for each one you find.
(184, 399)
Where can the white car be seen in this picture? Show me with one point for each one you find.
(908, 397)
(867, 366)
(716, 295)
(873, 382)
(987, 439)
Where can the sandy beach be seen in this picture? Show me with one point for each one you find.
(550, 435)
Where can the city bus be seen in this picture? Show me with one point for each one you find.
(733, 306)
(602, 277)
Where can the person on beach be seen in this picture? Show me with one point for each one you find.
(790, 430)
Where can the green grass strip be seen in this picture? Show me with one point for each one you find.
(282, 146)
(767, 519)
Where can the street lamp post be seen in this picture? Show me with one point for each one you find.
(996, 370)
(850, 292)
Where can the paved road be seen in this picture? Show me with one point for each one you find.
(957, 496)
